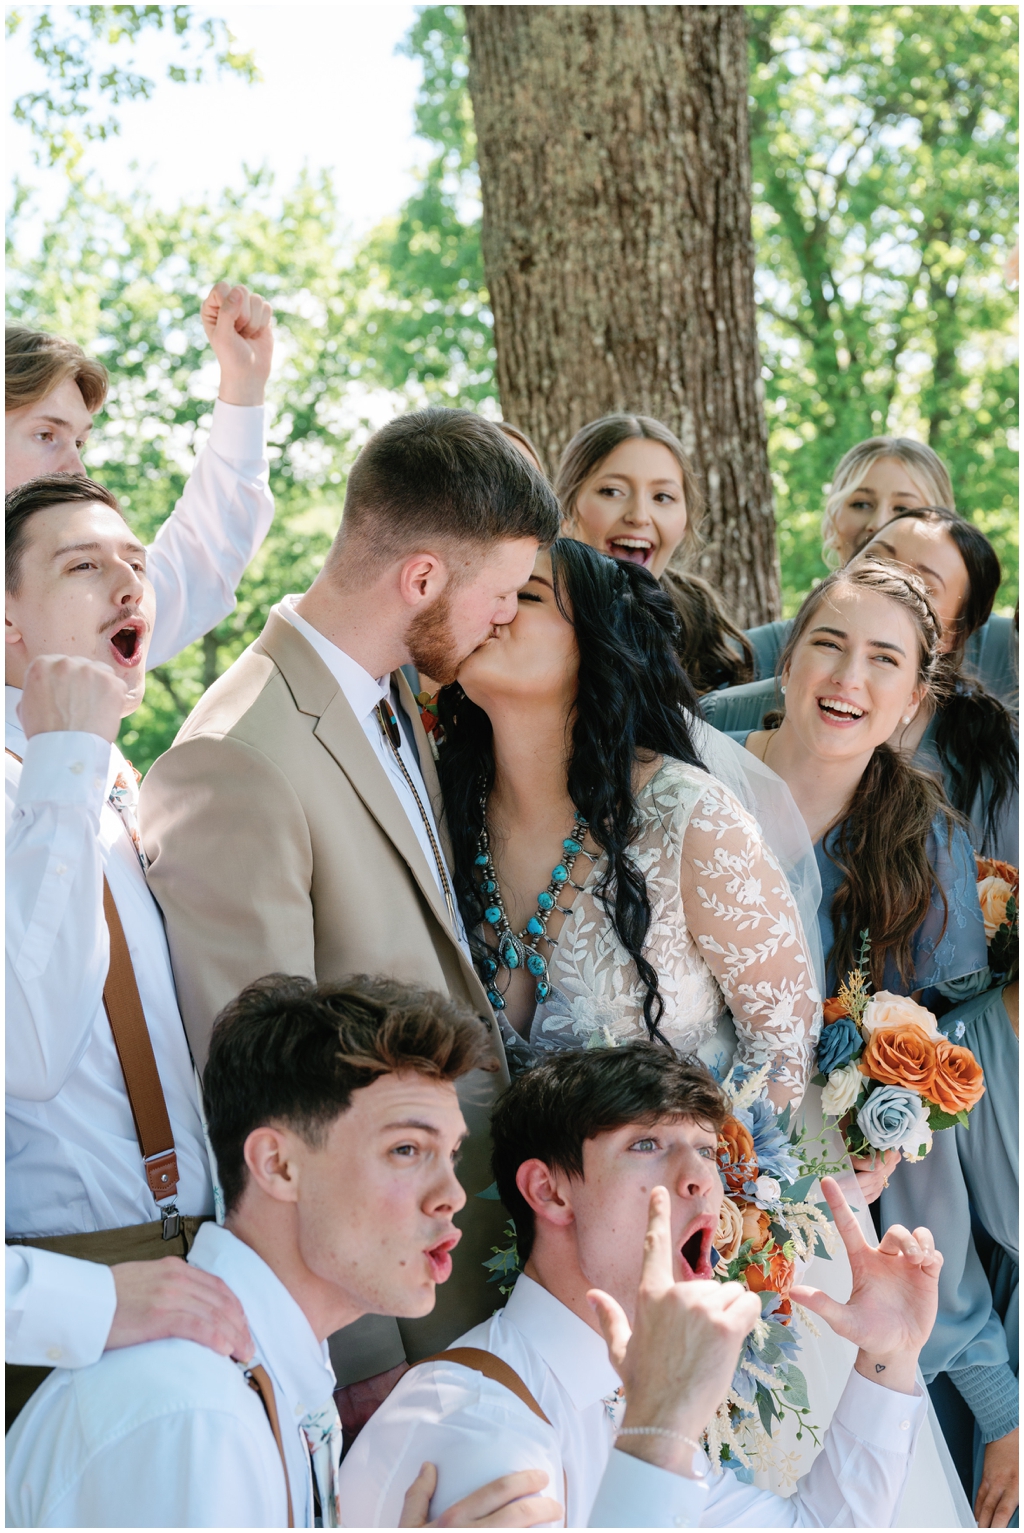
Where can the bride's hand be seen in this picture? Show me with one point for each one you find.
(891, 1309)
(871, 1178)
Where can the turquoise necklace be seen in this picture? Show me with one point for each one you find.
(519, 950)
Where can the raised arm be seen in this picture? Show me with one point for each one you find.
(741, 913)
(201, 551)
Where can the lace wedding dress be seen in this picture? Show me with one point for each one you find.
(732, 961)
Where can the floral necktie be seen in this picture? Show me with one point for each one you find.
(124, 797)
(322, 1430)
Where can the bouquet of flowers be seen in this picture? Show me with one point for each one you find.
(998, 889)
(890, 1076)
(765, 1227)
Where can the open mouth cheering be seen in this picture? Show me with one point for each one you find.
(695, 1249)
(126, 641)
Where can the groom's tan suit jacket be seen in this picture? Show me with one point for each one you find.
(278, 845)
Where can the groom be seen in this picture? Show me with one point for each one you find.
(293, 827)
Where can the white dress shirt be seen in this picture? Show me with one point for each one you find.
(200, 552)
(475, 1430)
(168, 1433)
(73, 1158)
(362, 693)
(59, 1310)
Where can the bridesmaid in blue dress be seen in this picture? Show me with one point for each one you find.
(963, 732)
(861, 658)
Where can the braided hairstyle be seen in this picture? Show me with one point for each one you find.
(633, 700)
(975, 734)
(881, 845)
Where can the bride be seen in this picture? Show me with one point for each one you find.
(614, 887)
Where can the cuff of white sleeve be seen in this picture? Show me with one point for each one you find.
(238, 433)
(63, 1317)
(884, 1418)
(635, 1494)
(64, 766)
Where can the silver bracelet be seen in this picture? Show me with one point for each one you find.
(662, 1432)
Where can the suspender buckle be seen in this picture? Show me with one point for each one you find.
(171, 1227)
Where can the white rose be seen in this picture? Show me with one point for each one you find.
(767, 1189)
(887, 1010)
(916, 1147)
(843, 1089)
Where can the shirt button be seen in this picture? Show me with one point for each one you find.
(54, 1354)
(60, 868)
(77, 767)
(904, 1426)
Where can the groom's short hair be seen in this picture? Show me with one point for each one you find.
(289, 1051)
(550, 1112)
(443, 475)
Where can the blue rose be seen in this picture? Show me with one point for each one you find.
(838, 1043)
(892, 1117)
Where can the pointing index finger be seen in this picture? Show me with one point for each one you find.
(657, 1273)
(845, 1219)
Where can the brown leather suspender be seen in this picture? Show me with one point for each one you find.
(256, 1377)
(138, 1065)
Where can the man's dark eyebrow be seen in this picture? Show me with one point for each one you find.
(86, 548)
(57, 420)
(425, 1128)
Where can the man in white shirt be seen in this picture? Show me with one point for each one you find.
(335, 1122)
(579, 1142)
(53, 390)
(294, 824)
(80, 614)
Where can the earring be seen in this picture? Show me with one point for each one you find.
(783, 690)
(906, 718)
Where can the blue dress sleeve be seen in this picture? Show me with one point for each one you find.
(950, 942)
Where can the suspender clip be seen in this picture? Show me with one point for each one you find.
(171, 1227)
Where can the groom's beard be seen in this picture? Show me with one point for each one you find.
(431, 643)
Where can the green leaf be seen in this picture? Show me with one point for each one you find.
(795, 1389)
(766, 1408)
(796, 1192)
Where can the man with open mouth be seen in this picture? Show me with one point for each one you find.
(107, 1169)
(606, 1160)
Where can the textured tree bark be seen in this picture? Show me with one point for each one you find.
(615, 170)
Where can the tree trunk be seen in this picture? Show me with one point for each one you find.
(615, 172)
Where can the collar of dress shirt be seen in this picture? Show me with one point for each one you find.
(14, 737)
(573, 1350)
(284, 1337)
(362, 691)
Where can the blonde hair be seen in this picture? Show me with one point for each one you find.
(36, 364)
(925, 467)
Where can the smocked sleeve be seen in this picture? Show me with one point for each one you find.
(741, 913)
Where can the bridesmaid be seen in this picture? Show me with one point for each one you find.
(873, 482)
(628, 489)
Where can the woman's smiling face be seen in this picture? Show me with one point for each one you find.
(927, 548)
(534, 656)
(633, 505)
(853, 676)
(881, 492)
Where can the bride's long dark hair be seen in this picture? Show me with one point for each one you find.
(633, 699)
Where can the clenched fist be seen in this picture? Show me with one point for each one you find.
(66, 692)
(239, 327)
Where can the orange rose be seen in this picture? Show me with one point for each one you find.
(755, 1225)
(900, 1056)
(994, 894)
(736, 1157)
(833, 1009)
(991, 867)
(958, 1082)
(778, 1279)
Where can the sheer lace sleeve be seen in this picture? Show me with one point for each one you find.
(741, 913)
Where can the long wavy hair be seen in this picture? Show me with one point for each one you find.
(633, 700)
(975, 734)
(881, 844)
